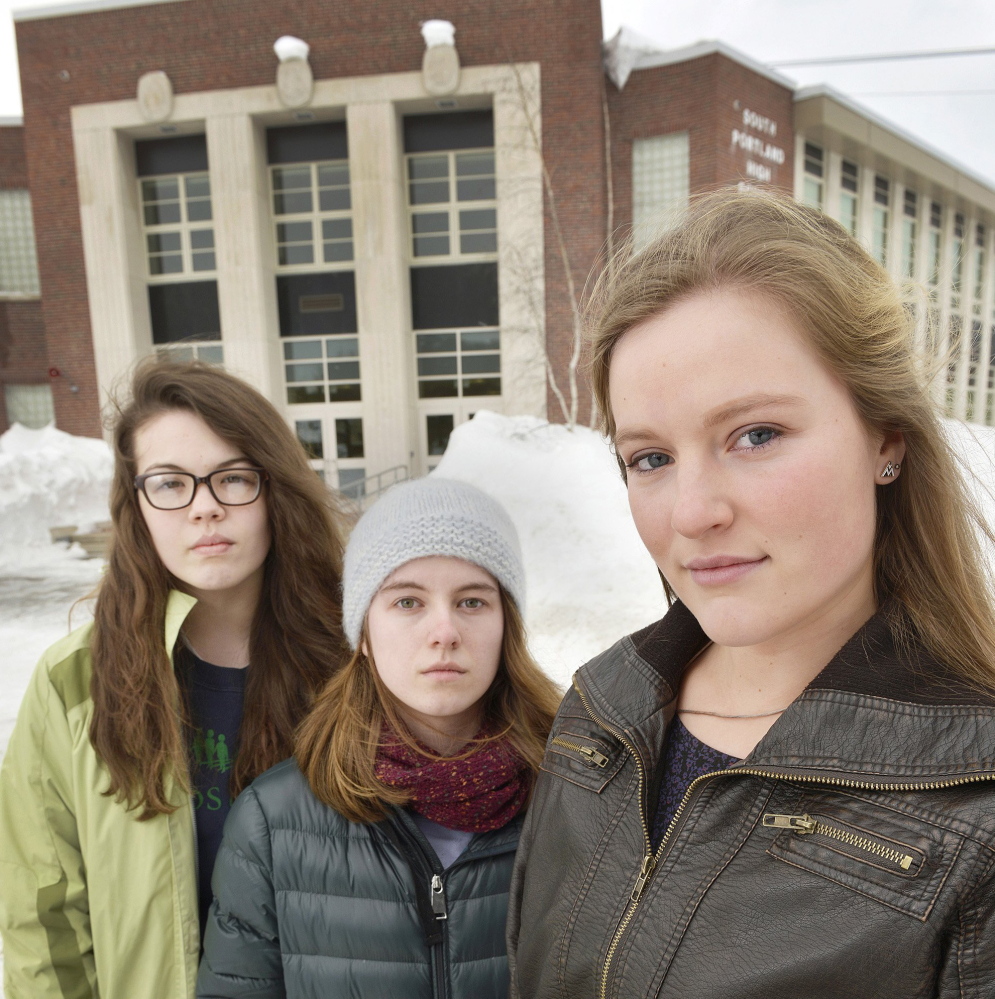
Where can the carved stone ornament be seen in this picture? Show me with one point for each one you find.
(440, 70)
(294, 83)
(155, 96)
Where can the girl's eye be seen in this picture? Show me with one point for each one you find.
(406, 603)
(649, 462)
(473, 603)
(758, 437)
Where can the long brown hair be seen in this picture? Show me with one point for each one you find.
(929, 569)
(138, 705)
(337, 742)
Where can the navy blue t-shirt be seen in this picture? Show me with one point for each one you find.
(215, 696)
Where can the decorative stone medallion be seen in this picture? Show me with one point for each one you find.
(155, 96)
(440, 70)
(294, 83)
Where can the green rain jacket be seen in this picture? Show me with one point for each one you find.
(93, 903)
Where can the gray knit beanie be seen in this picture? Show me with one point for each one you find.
(430, 516)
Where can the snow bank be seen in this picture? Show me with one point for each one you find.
(590, 581)
(49, 478)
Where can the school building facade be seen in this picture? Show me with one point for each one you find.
(388, 228)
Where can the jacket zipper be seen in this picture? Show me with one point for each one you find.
(592, 758)
(651, 860)
(805, 825)
(438, 894)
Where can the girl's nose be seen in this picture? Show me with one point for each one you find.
(204, 506)
(700, 503)
(443, 630)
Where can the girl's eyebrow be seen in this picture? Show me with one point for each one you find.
(402, 585)
(179, 468)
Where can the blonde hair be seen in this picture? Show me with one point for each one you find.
(337, 742)
(929, 569)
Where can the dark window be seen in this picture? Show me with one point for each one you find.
(848, 176)
(185, 154)
(307, 143)
(813, 159)
(979, 235)
(439, 428)
(958, 226)
(313, 304)
(457, 295)
(426, 133)
(935, 215)
(881, 190)
(309, 434)
(911, 203)
(187, 311)
(349, 438)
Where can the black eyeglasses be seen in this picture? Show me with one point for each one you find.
(176, 490)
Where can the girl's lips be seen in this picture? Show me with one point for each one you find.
(444, 672)
(726, 572)
(212, 546)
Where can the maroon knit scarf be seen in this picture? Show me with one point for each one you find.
(477, 793)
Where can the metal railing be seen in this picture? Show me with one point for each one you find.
(363, 492)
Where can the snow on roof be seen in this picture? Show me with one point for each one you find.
(628, 51)
(83, 7)
(825, 90)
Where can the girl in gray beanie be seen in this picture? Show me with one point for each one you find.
(378, 861)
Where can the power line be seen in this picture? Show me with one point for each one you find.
(886, 57)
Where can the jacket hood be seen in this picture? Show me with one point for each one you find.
(878, 713)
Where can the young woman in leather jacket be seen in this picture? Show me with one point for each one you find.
(787, 785)
(377, 862)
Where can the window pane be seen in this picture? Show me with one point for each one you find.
(29, 405)
(299, 254)
(167, 213)
(337, 251)
(478, 218)
(309, 434)
(480, 340)
(474, 164)
(18, 261)
(481, 242)
(430, 222)
(340, 370)
(165, 265)
(349, 438)
(210, 354)
(429, 192)
(293, 232)
(344, 392)
(476, 189)
(305, 393)
(291, 204)
(183, 311)
(344, 347)
(333, 174)
(299, 349)
(454, 295)
(336, 228)
(431, 246)
(439, 428)
(165, 189)
(476, 363)
(481, 386)
(351, 482)
(438, 389)
(304, 372)
(203, 261)
(162, 242)
(423, 167)
(197, 186)
(291, 178)
(433, 343)
(202, 239)
(335, 199)
(436, 366)
(198, 211)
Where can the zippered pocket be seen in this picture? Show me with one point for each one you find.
(866, 844)
(897, 856)
(583, 758)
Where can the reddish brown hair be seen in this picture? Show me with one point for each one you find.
(296, 643)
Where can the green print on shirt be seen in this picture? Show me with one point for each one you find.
(211, 751)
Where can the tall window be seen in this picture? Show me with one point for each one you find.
(812, 184)
(979, 266)
(935, 243)
(452, 210)
(910, 207)
(18, 262)
(316, 290)
(175, 194)
(849, 175)
(661, 184)
(957, 261)
(879, 230)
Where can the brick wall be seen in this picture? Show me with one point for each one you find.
(23, 358)
(706, 97)
(211, 44)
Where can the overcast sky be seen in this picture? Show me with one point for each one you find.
(962, 127)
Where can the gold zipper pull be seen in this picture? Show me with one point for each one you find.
(593, 757)
(800, 823)
(649, 862)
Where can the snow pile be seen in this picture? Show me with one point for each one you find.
(49, 478)
(590, 581)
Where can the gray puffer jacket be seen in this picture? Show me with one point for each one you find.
(310, 904)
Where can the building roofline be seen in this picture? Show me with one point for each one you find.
(82, 7)
(706, 47)
(825, 90)
(11, 121)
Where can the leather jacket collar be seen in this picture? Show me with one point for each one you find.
(878, 714)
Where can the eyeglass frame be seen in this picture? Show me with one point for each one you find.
(139, 484)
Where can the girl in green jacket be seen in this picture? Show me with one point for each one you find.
(377, 863)
(216, 622)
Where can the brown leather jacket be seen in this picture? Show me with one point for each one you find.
(852, 854)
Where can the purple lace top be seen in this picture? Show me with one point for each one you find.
(684, 759)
